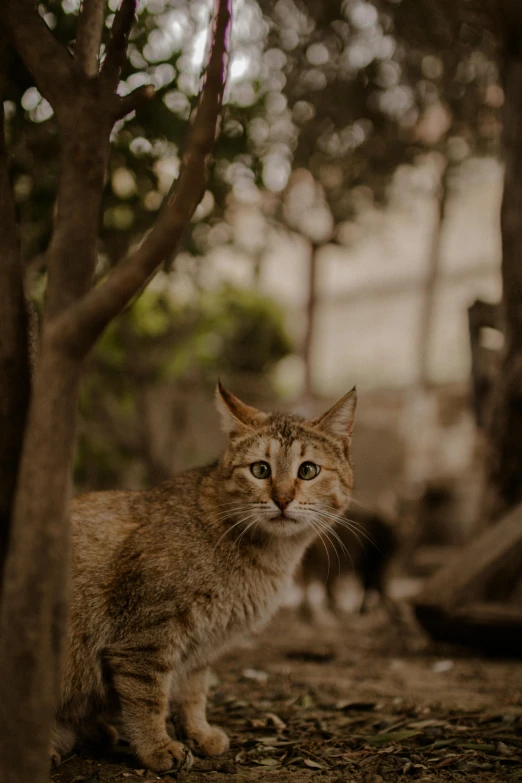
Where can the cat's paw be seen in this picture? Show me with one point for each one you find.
(63, 739)
(212, 742)
(173, 755)
(105, 733)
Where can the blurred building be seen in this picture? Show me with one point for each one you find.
(371, 292)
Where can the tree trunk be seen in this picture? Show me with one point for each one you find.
(33, 610)
(504, 449)
(432, 277)
(35, 587)
(311, 321)
(14, 365)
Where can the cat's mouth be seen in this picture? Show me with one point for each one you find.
(285, 525)
(283, 518)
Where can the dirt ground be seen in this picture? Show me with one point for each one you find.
(356, 702)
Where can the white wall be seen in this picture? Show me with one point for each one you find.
(371, 292)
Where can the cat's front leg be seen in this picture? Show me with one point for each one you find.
(142, 686)
(191, 703)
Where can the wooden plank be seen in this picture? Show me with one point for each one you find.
(461, 580)
(428, 559)
(491, 630)
(483, 367)
(491, 614)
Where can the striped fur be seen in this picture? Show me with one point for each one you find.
(164, 581)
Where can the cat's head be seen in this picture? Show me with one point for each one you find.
(284, 474)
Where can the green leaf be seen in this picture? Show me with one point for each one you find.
(483, 747)
(396, 736)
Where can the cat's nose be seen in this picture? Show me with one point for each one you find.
(282, 501)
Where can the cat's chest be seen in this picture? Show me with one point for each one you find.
(253, 601)
(223, 622)
(244, 604)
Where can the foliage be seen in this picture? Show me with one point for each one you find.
(166, 50)
(224, 331)
(158, 341)
(372, 85)
(348, 89)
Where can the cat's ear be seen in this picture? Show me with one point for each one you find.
(236, 417)
(339, 420)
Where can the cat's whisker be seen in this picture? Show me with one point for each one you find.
(236, 541)
(239, 522)
(342, 520)
(255, 520)
(330, 510)
(359, 503)
(337, 537)
(239, 503)
(327, 532)
(234, 507)
(349, 524)
(223, 515)
(344, 548)
(318, 532)
(330, 532)
(229, 514)
(354, 531)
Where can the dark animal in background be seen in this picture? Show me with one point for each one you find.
(366, 549)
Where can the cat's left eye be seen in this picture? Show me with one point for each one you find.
(308, 470)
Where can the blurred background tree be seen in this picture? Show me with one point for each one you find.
(152, 367)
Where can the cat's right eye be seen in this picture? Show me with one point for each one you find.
(261, 470)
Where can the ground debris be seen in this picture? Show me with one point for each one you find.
(353, 719)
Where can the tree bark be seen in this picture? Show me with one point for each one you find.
(14, 363)
(89, 36)
(432, 277)
(311, 321)
(48, 62)
(35, 588)
(504, 432)
(34, 600)
(84, 156)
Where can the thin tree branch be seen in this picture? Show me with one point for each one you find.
(80, 325)
(429, 293)
(133, 101)
(49, 63)
(311, 312)
(117, 46)
(89, 36)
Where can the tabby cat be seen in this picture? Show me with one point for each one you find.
(164, 581)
